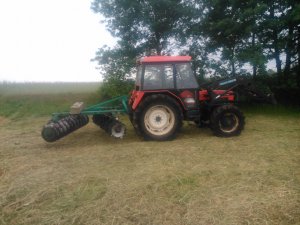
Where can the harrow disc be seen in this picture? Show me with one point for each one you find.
(55, 130)
(110, 125)
(102, 120)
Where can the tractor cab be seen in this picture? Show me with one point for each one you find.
(168, 76)
(165, 73)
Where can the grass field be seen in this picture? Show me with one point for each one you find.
(19, 100)
(11, 88)
(89, 178)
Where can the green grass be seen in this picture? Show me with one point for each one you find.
(41, 105)
(271, 110)
(20, 100)
(38, 88)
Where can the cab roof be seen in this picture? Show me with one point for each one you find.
(153, 59)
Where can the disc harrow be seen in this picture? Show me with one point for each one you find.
(104, 115)
(55, 130)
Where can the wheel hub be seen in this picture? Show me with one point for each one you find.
(158, 119)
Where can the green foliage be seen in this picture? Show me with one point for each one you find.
(224, 37)
(114, 88)
(141, 25)
(116, 64)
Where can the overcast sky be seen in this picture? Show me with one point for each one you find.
(49, 40)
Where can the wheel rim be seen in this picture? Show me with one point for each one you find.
(229, 122)
(159, 120)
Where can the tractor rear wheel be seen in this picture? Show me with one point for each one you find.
(227, 121)
(158, 117)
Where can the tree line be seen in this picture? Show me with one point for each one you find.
(224, 37)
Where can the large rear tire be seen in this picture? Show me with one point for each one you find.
(158, 117)
(227, 121)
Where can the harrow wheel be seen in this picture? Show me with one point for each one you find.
(227, 121)
(158, 117)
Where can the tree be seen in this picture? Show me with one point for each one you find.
(227, 25)
(142, 25)
(116, 66)
(279, 33)
(292, 24)
(222, 36)
(139, 26)
(252, 50)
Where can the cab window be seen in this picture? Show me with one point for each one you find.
(185, 77)
(158, 76)
(138, 77)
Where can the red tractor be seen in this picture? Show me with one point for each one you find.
(166, 93)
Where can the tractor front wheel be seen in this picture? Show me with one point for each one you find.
(159, 118)
(227, 121)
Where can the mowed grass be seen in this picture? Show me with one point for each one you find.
(90, 178)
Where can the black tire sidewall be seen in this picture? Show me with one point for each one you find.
(217, 115)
